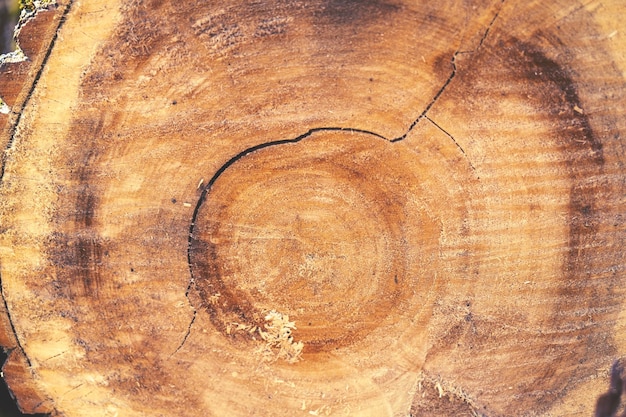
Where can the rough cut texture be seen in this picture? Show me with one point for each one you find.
(345, 208)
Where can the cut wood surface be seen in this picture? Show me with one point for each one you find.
(343, 208)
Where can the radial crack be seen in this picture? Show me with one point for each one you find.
(495, 16)
(449, 79)
(432, 102)
(193, 319)
(453, 140)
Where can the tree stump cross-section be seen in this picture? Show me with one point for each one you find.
(343, 208)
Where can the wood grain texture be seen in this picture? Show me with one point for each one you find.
(368, 208)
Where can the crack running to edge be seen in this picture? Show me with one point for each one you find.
(12, 132)
(495, 16)
(423, 115)
(449, 80)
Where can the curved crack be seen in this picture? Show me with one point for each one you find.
(242, 154)
(212, 181)
(231, 161)
(12, 130)
(17, 114)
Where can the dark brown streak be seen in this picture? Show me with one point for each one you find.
(550, 87)
(586, 160)
(351, 12)
(78, 257)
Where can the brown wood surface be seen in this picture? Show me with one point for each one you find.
(344, 208)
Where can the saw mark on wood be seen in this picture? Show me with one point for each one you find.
(55, 356)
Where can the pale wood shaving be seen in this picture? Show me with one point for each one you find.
(279, 343)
